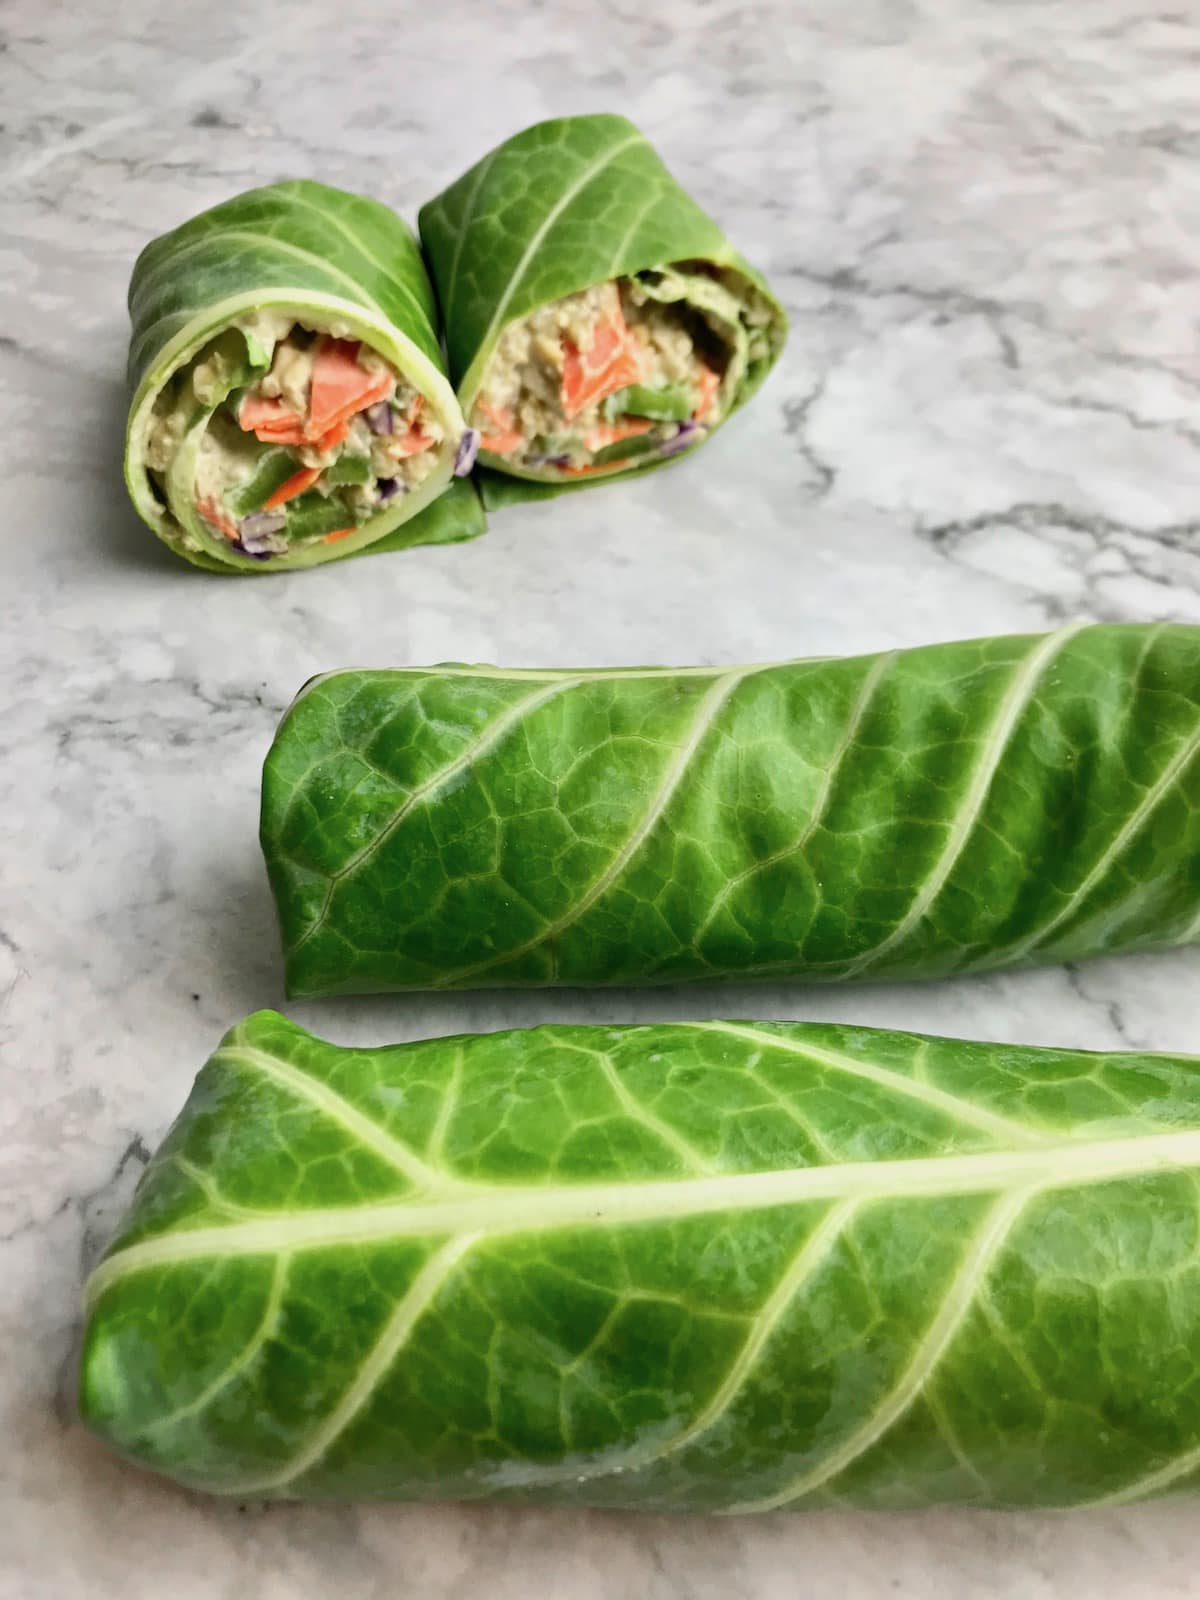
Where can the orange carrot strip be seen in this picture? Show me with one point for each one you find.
(614, 360)
(340, 387)
(335, 436)
(500, 415)
(339, 390)
(501, 444)
(589, 375)
(508, 438)
(279, 436)
(379, 390)
(410, 444)
(295, 485)
(584, 384)
(260, 414)
(216, 518)
(592, 466)
(338, 533)
(709, 384)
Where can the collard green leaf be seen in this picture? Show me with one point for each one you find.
(498, 491)
(712, 1266)
(334, 260)
(992, 803)
(453, 517)
(558, 208)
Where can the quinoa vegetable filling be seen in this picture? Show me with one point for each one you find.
(623, 373)
(280, 435)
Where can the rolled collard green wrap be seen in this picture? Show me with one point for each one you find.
(290, 399)
(719, 1266)
(597, 321)
(993, 803)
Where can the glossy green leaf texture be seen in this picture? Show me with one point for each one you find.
(297, 235)
(557, 208)
(719, 1266)
(346, 260)
(947, 809)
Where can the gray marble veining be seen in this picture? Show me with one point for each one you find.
(985, 220)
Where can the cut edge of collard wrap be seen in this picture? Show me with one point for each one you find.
(593, 204)
(222, 286)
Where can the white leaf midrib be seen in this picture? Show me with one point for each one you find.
(652, 199)
(913, 1089)
(821, 798)
(578, 675)
(676, 770)
(273, 242)
(510, 717)
(952, 1310)
(371, 1372)
(805, 1263)
(335, 1108)
(356, 241)
(589, 173)
(693, 1160)
(1017, 698)
(1158, 1481)
(1188, 751)
(266, 1329)
(481, 173)
(497, 1210)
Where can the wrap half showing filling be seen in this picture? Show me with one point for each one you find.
(291, 404)
(623, 373)
(280, 436)
(597, 320)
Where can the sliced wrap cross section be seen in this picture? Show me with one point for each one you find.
(598, 322)
(291, 405)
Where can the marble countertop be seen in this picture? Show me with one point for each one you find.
(985, 221)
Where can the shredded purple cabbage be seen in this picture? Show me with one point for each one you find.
(259, 555)
(468, 449)
(687, 434)
(379, 417)
(259, 534)
(547, 461)
(260, 523)
(390, 487)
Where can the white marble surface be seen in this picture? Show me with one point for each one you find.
(985, 219)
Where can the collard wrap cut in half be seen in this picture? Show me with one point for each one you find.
(597, 320)
(291, 404)
(716, 1266)
(948, 809)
